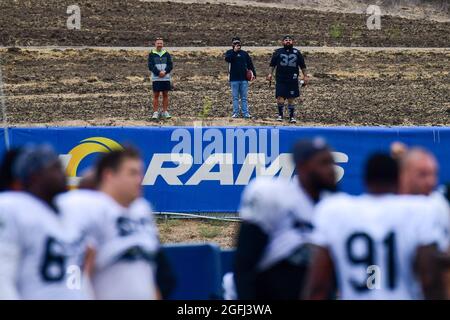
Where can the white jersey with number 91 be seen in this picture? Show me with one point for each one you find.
(373, 240)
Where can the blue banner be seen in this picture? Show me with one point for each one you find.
(204, 169)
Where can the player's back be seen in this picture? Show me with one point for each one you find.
(373, 242)
(50, 251)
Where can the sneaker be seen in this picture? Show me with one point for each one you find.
(234, 115)
(166, 115)
(280, 118)
(292, 120)
(247, 116)
(155, 115)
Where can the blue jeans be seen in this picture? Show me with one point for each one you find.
(239, 89)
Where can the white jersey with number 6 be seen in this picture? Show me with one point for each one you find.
(41, 256)
(373, 241)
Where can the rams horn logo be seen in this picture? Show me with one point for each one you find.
(86, 147)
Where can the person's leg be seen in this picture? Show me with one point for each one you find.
(294, 92)
(280, 103)
(165, 95)
(155, 101)
(291, 107)
(243, 94)
(280, 94)
(235, 94)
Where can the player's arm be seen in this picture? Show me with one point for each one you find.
(251, 66)
(444, 260)
(169, 66)
(9, 257)
(152, 65)
(302, 66)
(229, 55)
(429, 272)
(251, 243)
(273, 65)
(9, 262)
(89, 261)
(429, 235)
(320, 277)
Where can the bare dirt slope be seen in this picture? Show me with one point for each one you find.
(437, 10)
(134, 23)
(348, 87)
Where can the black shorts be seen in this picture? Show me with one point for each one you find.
(159, 86)
(287, 89)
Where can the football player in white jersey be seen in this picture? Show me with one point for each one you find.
(276, 213)
(381, 245)
(39, 252)
(121, 225)
(419, 176)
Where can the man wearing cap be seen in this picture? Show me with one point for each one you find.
(160, 65)
(39, 252)
(240, 65)
(271, 254)
(287, 61)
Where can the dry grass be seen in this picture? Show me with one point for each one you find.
(221, 233)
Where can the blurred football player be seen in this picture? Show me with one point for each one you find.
(120, 224)
(288, 61)
(7, 180)
(419, 176)
(382, 245)
(271, 257)
(41, 256)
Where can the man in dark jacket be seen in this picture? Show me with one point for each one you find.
(239, 62)
(160, 65)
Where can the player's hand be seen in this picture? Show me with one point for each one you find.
(253, 78)
(162, 74)
(269, 77)
(306, 79)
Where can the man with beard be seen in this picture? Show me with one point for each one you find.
(271, 256)
(287, 61)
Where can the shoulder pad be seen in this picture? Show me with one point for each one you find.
(264, 201)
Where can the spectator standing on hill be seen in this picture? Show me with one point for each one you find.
(241, 71)
(160, 65)
(287, 61)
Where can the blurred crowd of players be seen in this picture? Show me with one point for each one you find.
(299, 238)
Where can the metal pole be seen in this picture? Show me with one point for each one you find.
(5, 120)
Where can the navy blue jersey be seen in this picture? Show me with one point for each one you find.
(287, 62)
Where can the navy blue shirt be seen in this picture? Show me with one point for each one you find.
(239, 62)
(287, 63)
